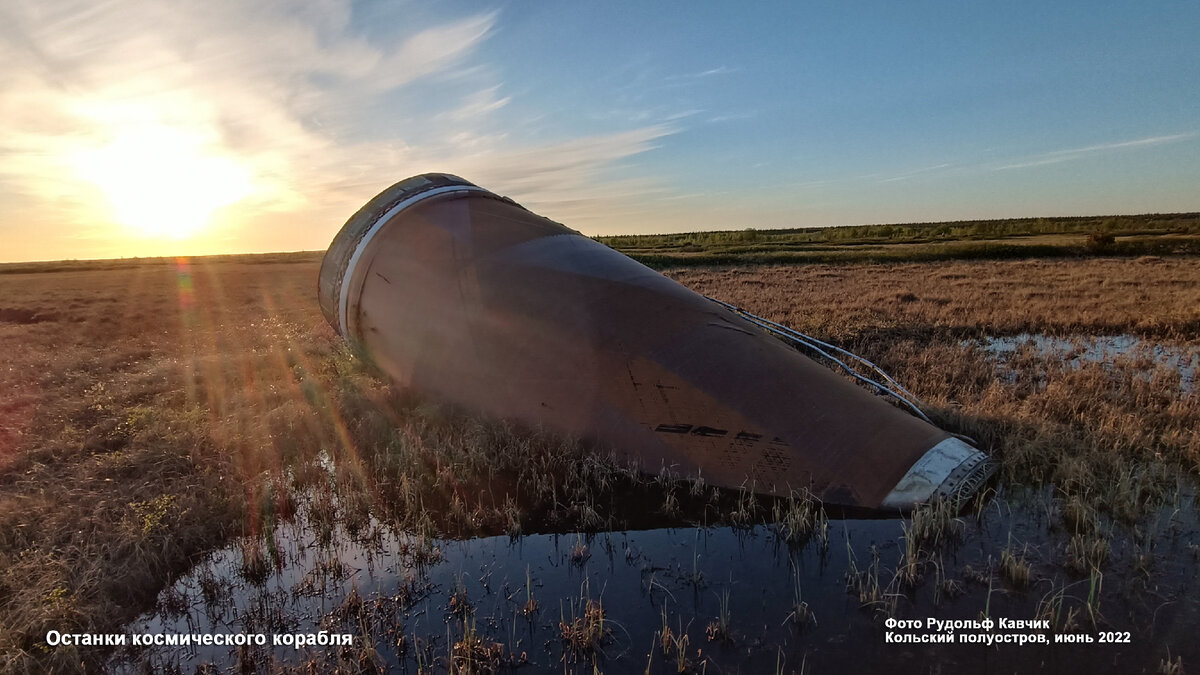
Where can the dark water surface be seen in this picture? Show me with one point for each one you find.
(408, 601)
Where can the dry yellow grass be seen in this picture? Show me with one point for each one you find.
(1159, 297)
(139, 402)
(151, 409)
(1113, 434)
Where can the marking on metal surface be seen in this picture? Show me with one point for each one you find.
(632, 380)
(774, 461)
(744, 437)
(726, 326)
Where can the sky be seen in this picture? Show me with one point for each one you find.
(192, 127)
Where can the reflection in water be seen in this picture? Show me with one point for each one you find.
(672, 599)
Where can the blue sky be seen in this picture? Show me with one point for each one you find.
(191, 127)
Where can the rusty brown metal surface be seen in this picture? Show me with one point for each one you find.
(465, 295)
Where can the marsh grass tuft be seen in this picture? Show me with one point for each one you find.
(935, 523)
(801, 615)
(460, 604)
(472, 654)
(255, 567)
(676, 641)
(531, 604)
(579, 553)
(801, 517)
(1169, 666)
(1086, 553)
(719, 629)
(1014, 567)
(582, 627)
(865, 584)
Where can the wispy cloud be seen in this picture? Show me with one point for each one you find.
(431, 50)
(1058, 156)
(703, 74)
(915, 172)
(320, 112)
(720, 70)
(732, 117)
(571, 180)
(683, 114)
(271, 84)
(478, 105)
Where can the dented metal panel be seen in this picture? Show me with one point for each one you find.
(466, 295)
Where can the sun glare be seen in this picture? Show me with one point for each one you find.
(163, 181)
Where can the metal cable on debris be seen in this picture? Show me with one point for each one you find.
(820, 347)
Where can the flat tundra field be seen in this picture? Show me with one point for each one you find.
(185, 442)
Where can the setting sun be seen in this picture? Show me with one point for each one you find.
(163, 181)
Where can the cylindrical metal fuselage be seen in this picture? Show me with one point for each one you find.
(467, 296)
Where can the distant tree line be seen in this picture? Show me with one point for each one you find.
(750, 239)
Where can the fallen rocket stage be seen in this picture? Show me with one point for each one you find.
(463, 294)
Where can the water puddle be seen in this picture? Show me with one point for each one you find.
(684, 599)
(1076, 352)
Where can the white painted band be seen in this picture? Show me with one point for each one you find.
(348, 276)
(928, 473)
